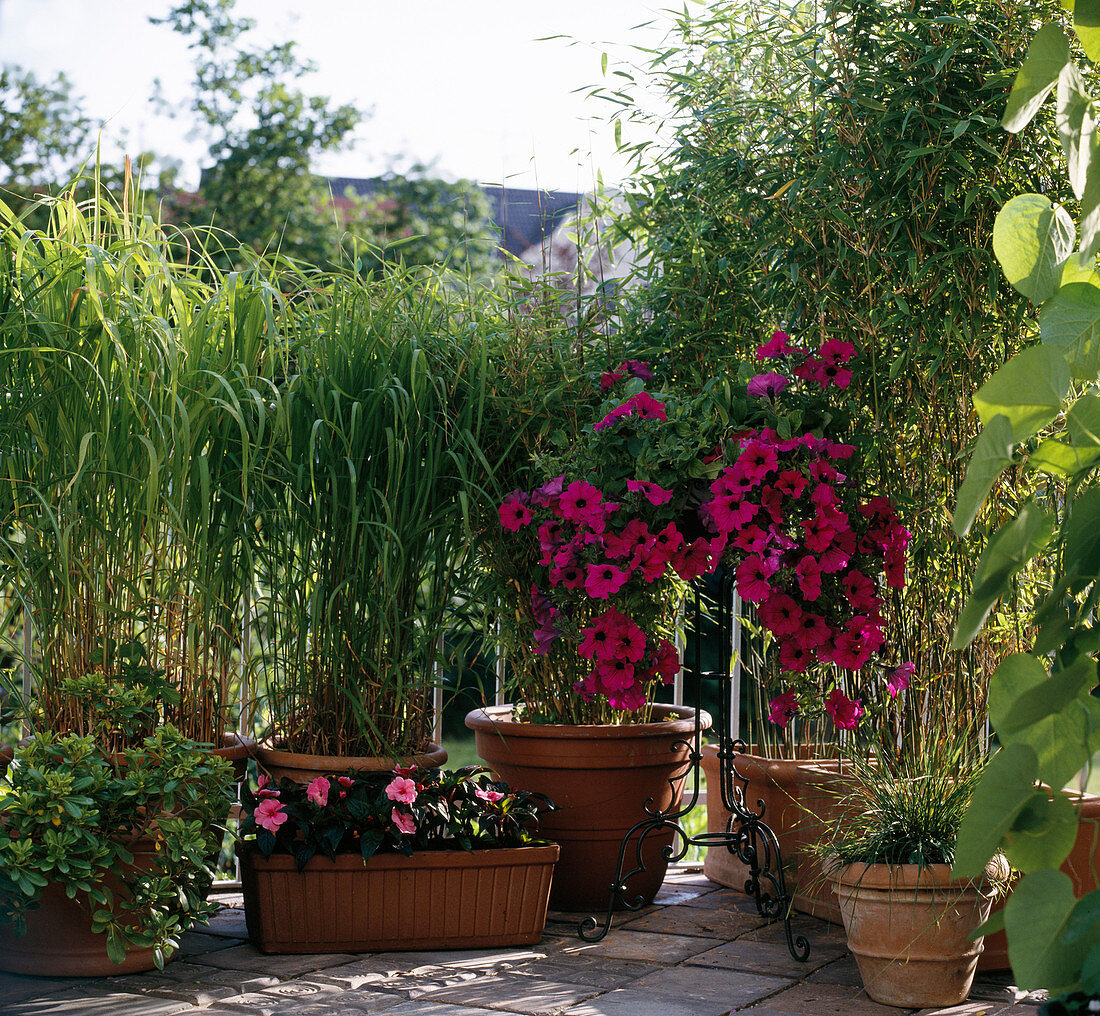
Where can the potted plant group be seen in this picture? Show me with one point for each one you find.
(104, 856)
(407, 859)
(909, 923)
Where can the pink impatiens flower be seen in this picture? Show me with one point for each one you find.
(491, 796)
(845, 712)
(401, 789)
(317, 791)
(405, 823)
(269, 815)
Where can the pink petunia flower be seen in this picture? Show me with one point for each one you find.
(639, 369)
(646, 407)
(898, 679)
(766, 386)
(666, 661)
(752, 577)
(615, 675)
(317, 791)
(405, 823)
(808, 571)
(845, 712)
(777, 345)
(782, 708)
(402, 790)
(729, 513)
(514, 514)
(609, 379)
(580, 503)
(780, 614)
(795, 657)
(269, 815)
(652, 492)
(604, 580)
(826, 374)
(836, 351)
(629, 701)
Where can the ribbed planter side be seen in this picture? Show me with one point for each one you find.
(1082, 866)
(303, 768)
(600, 778)
(447, 899)
(799, 806)
(60, 941)
(909, 929)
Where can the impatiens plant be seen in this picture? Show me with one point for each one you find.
(402, 811)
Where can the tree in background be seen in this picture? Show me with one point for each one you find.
(835, 172)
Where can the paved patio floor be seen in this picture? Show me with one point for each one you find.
(700, 950)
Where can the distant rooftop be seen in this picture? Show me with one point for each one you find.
(522, 217)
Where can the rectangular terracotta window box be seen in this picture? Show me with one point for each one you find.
(437, 899)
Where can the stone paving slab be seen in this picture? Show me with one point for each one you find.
(77, 1002)
(594, 970)
(515, 993)
(245, 957)
(628, 1002)
(733, 988)
(649, 947)
(821, 1000)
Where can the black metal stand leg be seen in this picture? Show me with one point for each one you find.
(747, 836)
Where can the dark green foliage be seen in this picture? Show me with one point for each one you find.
(839, 178)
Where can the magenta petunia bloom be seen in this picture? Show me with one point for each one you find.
(729, 513)
(634, 536)
(780, 614)
(860, 591)
(569, 577)
(630, 700)
(648, 408)
(782, 708)
(808, 571)
(813, 631)
(766, 386)
(826, 374)
(795, 657)
(652, 492)
(580, 504)
(836, 351)
(777, 345)
(752, 577)
(514, 514)
(402, 790)
(405, 823)
(666, 661)
(693, 560)
(756, 460)
(791, 483)
(604, 580)
(317, 791)
(898, 679)
(639, 369)
(807, 369)
(615, 675)
(269, 815)
(845, 712)
(609, 379)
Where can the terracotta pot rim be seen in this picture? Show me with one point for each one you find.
(446, 857)
(498, 719)
(901, 877)
(431, 758)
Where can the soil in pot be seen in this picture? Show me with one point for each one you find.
(600, 778)
(280, 764)
(799, 806)
(908, 928)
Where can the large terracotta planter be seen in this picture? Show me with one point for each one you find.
(6, 755)
(302, 768)
(800, 805)
(908, 928)
(600, 777)
(446, 899)
(236, 749)
(60, 941)
(1082, 866)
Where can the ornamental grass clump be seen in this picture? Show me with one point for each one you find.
(136, 392)
(361, 514)
(406, 810)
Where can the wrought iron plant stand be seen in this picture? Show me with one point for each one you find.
(747, 835)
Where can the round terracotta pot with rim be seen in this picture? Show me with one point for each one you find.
(599, 777)
(279, 764)
(908, 927)
(6, 755)
(236, 749)
(801, 803)
(60, 942)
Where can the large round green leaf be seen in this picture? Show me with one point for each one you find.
(1032, 238)
(1037, 916)
(1070, 321)
(1046, 56)
(1028, 390)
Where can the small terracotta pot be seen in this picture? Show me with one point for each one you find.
(436, 899)
(600, 777)
(60, 941)
(280, 764)
(1082, 866)
(800, 805)
(908, 928)
(236, 748)
(6, 755)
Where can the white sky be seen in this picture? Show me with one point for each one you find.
(463, 83)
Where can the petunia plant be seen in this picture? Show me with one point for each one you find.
(402, 811)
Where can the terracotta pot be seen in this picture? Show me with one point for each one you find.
(303, 768)
(445, 899)
(909, 929)
(236, 748)
(6, 755)
(799, 806)
(600, 777)
(60, 941)
(1082, 866)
